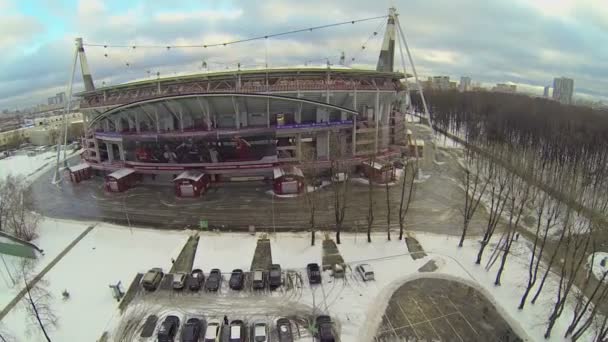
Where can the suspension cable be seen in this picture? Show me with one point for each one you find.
(168, 47)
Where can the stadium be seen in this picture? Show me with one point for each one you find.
(247, 124)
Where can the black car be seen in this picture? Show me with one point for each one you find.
(237, 279)
(237, 331)
(284, 330)
(214, 280)
(196, 279)
(168, 329)
(314, 273)
(192, 330)
(148, 328)
(274, 278)
(325, 331)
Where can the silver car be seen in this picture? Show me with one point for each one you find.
(366, 272)
(179, 280)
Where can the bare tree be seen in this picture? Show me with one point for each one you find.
(370, 208)
(520, 192)
(388, 211)
(576, 248)
(37, 302)
(311, 200)
(404, 204)
(340, 187)
(14, 215)
(547, 213)
(474, 188)
(498, 198)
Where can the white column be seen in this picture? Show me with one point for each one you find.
(121, 152)
(110, 152)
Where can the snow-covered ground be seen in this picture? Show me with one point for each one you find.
(598, 269)
(54, 236)
(226, 251)
(29, 167)
(107, 255)
(24, 165)
(111, 253)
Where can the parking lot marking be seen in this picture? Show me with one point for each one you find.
(407, 319)
(392, 327)
(463, 317)
(428, 320)
(447, 320)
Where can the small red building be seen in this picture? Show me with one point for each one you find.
(80, 172)
(288, 180)
(121, 180)
(379, 172)
(191, 183)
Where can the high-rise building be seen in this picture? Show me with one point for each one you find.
(465, 83)
(562, 89)
(546, 91)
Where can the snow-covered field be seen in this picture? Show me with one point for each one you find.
(226, 251)
(107, 255)
(54, 236)
(23, 165)
(111, 253)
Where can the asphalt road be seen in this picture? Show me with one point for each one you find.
(231, 206)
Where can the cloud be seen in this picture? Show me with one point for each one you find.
(17, 30)
(517, 41)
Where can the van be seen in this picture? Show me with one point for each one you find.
(152, 279)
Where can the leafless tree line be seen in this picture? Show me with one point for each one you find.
(536, 156)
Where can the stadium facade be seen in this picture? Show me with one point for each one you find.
(246, 123)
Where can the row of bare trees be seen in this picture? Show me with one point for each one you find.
(340, 176)
(546, 162)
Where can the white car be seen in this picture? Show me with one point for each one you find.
(366, 272)
(260, 332)
(179, 280)
(213, 331)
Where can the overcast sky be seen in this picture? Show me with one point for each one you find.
(527, 42)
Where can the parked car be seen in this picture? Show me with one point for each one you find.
(314, 273)
(366, 272)
(284, 330)
(338, 271)
(237, 331)
(325, 331)
(214, 280)
(197, 277)
(213, 333)
(260, 332)
(152, 279)
(192, 330)
(258, 280)
(237, 279)
(179, 280)
(168, 329)
(147, 329)
(274, 277)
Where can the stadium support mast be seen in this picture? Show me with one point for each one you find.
(84, 67)
(387, 53)
(88, 85)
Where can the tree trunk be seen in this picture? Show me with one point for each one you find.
(35, 310)
(388, 212)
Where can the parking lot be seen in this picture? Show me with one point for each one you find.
(248, 305)
(442, 310)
